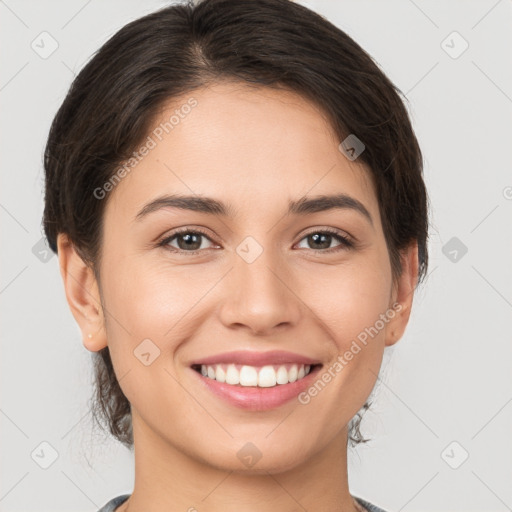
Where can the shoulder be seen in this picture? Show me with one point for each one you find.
(368, 506)
(114, 503)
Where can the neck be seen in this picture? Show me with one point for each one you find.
(166, 479)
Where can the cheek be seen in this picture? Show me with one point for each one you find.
(150, 309)
(349, 306)
(151, 300)
(350, 298)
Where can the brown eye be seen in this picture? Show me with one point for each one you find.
(187, 241)
(321, 240)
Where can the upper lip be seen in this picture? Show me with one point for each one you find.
(251, 358)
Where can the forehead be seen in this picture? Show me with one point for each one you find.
(248, 146)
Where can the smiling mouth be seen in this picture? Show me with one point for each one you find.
(255, 376)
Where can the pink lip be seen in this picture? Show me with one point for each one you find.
(252, 358)
(253, 398)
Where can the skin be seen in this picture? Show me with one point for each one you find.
(248, 147)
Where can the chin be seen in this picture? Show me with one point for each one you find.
(256, 458)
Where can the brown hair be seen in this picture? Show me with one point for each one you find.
(275, 43)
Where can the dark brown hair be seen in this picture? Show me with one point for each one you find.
(112, 102)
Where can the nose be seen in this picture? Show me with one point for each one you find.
(260, 295)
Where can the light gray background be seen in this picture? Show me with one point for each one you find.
(448, 379)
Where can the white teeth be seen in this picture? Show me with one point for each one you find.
(282, 375)
(248, 376)
(232, 375)
(267, 377)
(220, 374)
(264, 377)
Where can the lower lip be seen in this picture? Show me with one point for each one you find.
(259, 399)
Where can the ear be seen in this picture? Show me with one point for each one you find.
(82, 294)
(402, 295)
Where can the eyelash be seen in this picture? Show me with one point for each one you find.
(345, 242)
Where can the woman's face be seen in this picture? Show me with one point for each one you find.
(264, 287)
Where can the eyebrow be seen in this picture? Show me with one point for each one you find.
(208, 205)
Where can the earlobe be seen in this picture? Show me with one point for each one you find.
(403, 294)
(82, 294)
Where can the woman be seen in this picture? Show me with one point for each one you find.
(235, 194)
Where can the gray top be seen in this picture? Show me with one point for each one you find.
(367, 505)
(115, 502)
